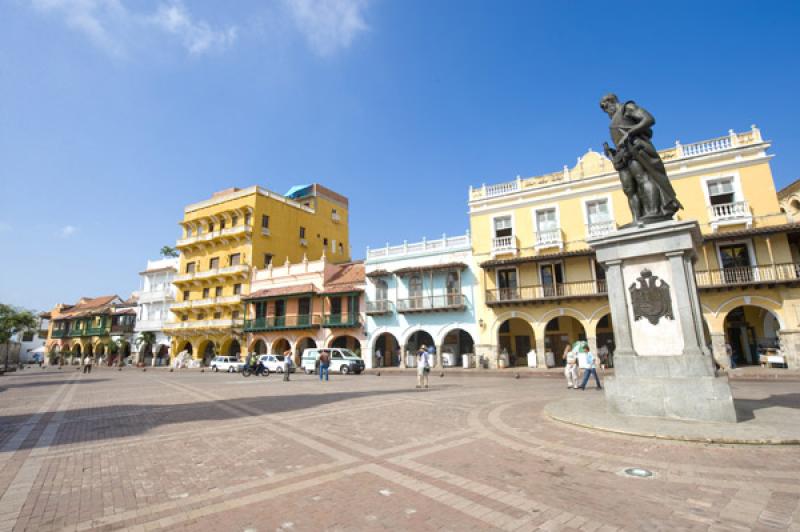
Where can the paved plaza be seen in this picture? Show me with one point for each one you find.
(187, 450)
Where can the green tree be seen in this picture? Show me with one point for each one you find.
(147, 339)
(169, 252)
(14, 320)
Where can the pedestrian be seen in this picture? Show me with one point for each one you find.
(423, 367)
(87, 364)
(324, 364)
(731, 356)
(591, 362)
(287, 364)
(571, 369)
(378, 358)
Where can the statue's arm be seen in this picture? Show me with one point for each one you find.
(644, 120)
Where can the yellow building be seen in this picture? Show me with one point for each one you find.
(231, 233)
(542, 289)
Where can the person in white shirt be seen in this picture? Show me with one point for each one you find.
(571, 369)
(87, 364)
(423, 367)
(592, 362)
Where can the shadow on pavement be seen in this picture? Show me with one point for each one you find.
(745, 408)
(4, 386)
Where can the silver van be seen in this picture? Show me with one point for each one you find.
(342, 360)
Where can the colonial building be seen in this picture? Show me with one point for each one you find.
(100, 327)
(305, 305)
(540, 285)
(231, 233)
(421, 293)
(155, 296)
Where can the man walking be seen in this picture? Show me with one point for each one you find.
(324, 364)
(423, 367)
(287, 364)
(591, 369)
(378, 358)
(87, 364)
(571, 369)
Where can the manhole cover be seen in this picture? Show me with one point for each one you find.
(638, 472)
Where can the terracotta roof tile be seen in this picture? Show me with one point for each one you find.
(282, 291)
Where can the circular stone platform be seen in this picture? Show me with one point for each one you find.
(774, 420)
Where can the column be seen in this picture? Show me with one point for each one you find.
(684, 299)
(592, 341)
(718, 350)
(619, 309)
(540, 361)
(790, 347)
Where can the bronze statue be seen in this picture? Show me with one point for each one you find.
(651, 197)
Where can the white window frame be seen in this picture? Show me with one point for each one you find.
(513, 230)
(585, 209)
(738, 196)
(497, 276)
(535, 223)
(746, 241)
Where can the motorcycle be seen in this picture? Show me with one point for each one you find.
(255, 369)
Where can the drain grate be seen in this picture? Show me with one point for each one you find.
(638, 472)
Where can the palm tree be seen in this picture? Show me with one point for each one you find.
(148, 339)
(169, 252)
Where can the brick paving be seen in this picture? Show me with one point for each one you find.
(156, 450)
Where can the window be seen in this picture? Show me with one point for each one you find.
(280, 307)
(736, 264)
(235, 259)
(341, 248)
(27, 336)
(302, 232)
(304, 306)
(205, 293)
(213, 264)
(325, 242)
(188, 231)
(186, 295)
(218, 291)
(381, 290)
(267, 259)
(184, 317)
(201, 316)
(336, 306)
(218, 315)
(546, 221)
(597, 212)
(234, 220)
(353, 306)
(247, 219)
(211, 227)
(502, 227)
(415, 291)
(235, 315)
(507, 284)
(264, 221)
(453, 284)
(222, 225)
(190, 266)
(721, 192)
(552, 279)
(237, 289)
(261, 309)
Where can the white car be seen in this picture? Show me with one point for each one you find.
(343, 361)
(274, 363)
(226, 363)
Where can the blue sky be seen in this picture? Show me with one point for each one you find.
(114, 114)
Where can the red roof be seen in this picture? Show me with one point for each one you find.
(282, 291)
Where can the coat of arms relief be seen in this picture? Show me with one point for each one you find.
(650, 299)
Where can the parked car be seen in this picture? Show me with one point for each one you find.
(274, 363)
(342, 360)
(226, 363)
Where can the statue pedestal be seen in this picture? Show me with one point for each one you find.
(662, 367)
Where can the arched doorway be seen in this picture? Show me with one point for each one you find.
(302, 345)
(604, 333)
(456, 342)
(346, 342)
(185, 347)
(77, 352)
(751, 332)
(234, 349)
(389, 348)
(208, 352)
(280, 346)
(259, 347)
(515, 339)
(560, 332)
(162, 354)
(415, 341)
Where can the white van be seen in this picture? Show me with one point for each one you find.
(342, 360)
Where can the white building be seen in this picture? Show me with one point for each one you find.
(155, 296)
(421, 293)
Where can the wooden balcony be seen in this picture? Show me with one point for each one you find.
(437, 303)
(282, 323)
(341, 321)
(545, 293)
(377, 308)
(772, 274)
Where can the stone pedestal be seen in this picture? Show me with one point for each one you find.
(662, 367)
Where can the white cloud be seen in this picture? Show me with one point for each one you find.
(197, 37)
(67, 231)
(328, 25)
(112, 27)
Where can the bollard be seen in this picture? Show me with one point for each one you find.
(171, 370)
(516, 376)
(378, 374)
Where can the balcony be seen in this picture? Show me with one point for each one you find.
(749, 275)
(335, 217)
(239, 269)
(99, 331)
(535, 293)
(440, 303)
(281, 323)
(505, 244)
(549, 239)
(376, 308)
(333, 321)
(121, 328)
(222, 235)
(203, 324)
(75, 332)
(600, 229)
(157, 294)
(59, 333)
(734, 213)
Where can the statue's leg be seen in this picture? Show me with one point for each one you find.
(648, 192)
(629, 188)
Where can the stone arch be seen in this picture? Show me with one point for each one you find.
(561, 331)
(345, 341)
(184, 345)
(258, 346)
(280, 346)
(751, 331)
(231, 347)
(502, 318)
(565, 311)
(515, 337)
(389, 346)
(754, 301)
(455, 341)
(206, 351)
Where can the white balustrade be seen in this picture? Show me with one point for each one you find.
(730, 211)
(706, 146)
(551, 237)
(503, 244)
(598, 229)
(442, 244)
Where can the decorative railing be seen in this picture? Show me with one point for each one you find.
(159, 294)
(446, 243)
(341, 320)
(101, 330)
(432, 303)
(504, 244)
(212, 235)
(704, 147)
(336, 217)
(276, 323)
(59, 333)
(743, 275)
(549, 238)
(380, 307)
(730, 211)
(228, 270)
(75, 332)
(553, 291)
(122, 328)
(203, 324)
(600, 229)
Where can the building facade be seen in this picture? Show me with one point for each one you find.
(541, 287)
(305, 305)
(155, 296)
(100, 327)
(231, 233)
(421, 293)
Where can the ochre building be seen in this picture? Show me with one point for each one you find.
(229, 234)
(542, 290)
